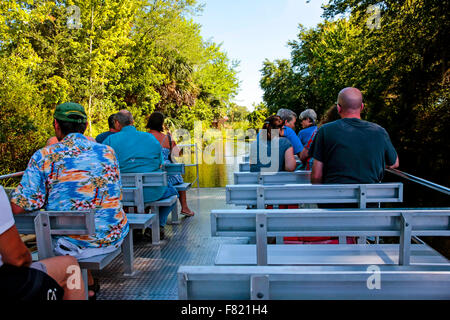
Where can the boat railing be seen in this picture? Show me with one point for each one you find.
(420, 181)
(12, 175)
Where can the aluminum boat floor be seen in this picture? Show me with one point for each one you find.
(187, 243)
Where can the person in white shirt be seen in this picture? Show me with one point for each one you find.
(20, 279)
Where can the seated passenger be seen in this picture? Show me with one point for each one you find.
(20, 279)
(75, 174)
(169, 147)
(307, 160)
(140, 152)
(272, 153)
(102, 136)
(289, 118)
(308, 118)
(351, 150)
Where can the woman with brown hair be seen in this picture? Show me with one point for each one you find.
(155, 125)
(330, 115)
(271, 136)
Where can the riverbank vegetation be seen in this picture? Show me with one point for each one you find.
(143, 55)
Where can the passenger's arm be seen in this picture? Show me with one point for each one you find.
(317, 172)
(295, 141)
(13, 250)
(176, 151)
(30, 194)
(395, 165)
(289, 160)
(390, 153)
(16, 209)
(304, 155)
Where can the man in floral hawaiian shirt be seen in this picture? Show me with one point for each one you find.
(75, 174)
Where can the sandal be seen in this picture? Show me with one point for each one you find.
(187, 214)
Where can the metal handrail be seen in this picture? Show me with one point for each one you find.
(197, 179)
(12, 175)
(421, 181)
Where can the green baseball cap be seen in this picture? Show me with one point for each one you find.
(70, 112)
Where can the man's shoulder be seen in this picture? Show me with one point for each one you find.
(115, 138)
(288, 131)
(128, 137)
(103, 135)
(307, 131)
(146, 137)
(291, 135)
(285, 142)
(334, 125)
(375, 126)
(100, 146)
(49, 150)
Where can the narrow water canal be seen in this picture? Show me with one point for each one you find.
(219, 173)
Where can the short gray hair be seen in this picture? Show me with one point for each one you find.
(286, 114)
(124, 117)
(309, 113)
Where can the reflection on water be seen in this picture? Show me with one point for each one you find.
(218, 175)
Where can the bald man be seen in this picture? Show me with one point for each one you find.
(351, 150)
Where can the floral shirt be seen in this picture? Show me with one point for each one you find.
(77, 174)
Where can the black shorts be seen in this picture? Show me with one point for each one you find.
(27, 284)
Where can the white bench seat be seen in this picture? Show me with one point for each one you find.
(183, 186)
(140, 220)
(162, 203)
(270, 178)
(312, 283)
(326, 254)
(98, 262)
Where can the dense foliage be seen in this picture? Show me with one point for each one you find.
(143, 55)
(400, 65)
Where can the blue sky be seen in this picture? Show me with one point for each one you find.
(253, 30)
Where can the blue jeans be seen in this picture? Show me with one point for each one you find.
(165, 211)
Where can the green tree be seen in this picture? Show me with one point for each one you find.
(281, 85)
(258, 115)
(236, 112)
(143, 55)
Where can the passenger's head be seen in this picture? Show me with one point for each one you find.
(122, 119)
(156, 122)
(308, 118)
(350, 102)
(111, 124)
(289, 117)
(273, 123)
(330, 115)
(69, 118)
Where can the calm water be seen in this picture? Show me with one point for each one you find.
(218, 174)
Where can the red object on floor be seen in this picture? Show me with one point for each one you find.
(283, 206)
(309, 240)
(316, 240)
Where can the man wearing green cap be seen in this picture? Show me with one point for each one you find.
(70, 112)
(75, 174)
